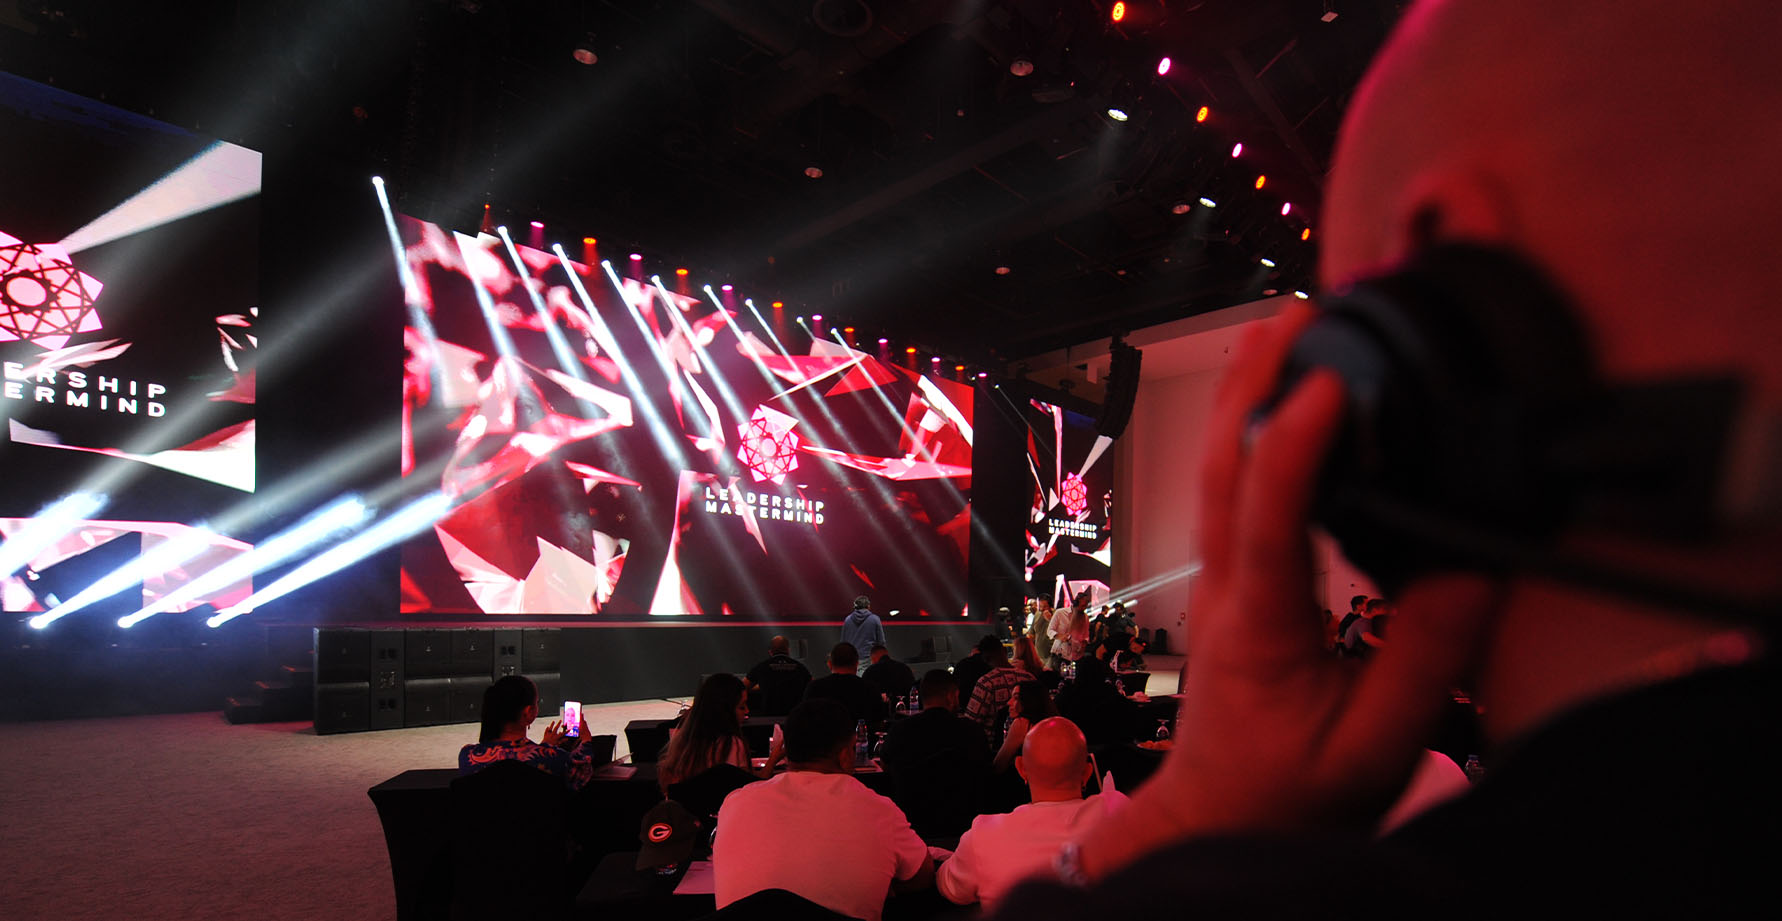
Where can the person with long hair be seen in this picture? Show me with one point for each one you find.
(510, 706)
(1027, 656)
(1030, 704)
(711, 734)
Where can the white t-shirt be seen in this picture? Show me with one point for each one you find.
(823, 836)
(1001, 850)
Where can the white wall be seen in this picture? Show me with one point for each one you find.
(1156, 473)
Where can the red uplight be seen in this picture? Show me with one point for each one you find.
(1286, 209)
(1119, 12)
(911, 350)
(1305, 234)
(1261, 181)
(883, 341)
(1237, 150)
(538, 225)
(848, 329)
(731, 288)
(778, 304)
(959, 367)
(637, 257)
(1201, 115)
(816, 318)
(589, 241)
(681, 272)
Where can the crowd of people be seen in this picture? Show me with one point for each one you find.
(1621, 659)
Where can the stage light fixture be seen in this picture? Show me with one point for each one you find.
(935, 360)
(1163, 66)
(1208, 202)
(849, 330)
(959, 367)
(778, 304)
(815, 172)
(1302, 295)
(1305, 234)
(1020, 67)
(1261, 181)
(584, 51)
(538, 225)
(816, 318)
(910, 351)
(637, 257)
(884, 341)
(1202, 114)
(1118, 13)
(589, 241)
(1270, 263)
(1180, 207)
(1118, 115)
(982, 375)
(1237, 150)
(726, 288)
(681, 272)
(1003, 270)
(1330, 13)
(1286, 208)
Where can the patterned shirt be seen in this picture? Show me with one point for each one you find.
(574, 768)
(991, 694)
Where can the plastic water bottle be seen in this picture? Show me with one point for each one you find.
(862, 744)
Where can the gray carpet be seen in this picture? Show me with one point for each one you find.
(185, 816)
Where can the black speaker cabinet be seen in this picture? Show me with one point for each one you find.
(386, 708)
(467, 698)
(343, 707)
(550, 693)
(426, 701)
(507, 652)
(427, 654)
(538, 651)
(473, 653)
(342, 654)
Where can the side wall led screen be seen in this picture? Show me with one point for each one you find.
(1069, 520)
(129, 284)
(621, 449)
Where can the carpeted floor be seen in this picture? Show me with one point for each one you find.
(185, 816)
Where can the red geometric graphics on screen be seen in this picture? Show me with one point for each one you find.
(44, 299)
(1075, 495)
(769, 446)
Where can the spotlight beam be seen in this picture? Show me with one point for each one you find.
(559, 345)
(405, 522)
(164, 556)
(677, 390)
(49, 525)
(343, 515)
(220, 174)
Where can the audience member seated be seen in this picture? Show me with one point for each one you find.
(939, 762)
(1030, 704)
(1001, 850)
(989, 701)
(968, 670)
(711, 734)
(1363, 636)
(1105, 715)
(510, 705)
(777, 683)
(814, 830)
(852, 691)
(1027, 658)
(891, 678)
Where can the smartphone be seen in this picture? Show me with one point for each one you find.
(572, 718)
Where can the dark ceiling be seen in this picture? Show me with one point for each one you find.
(689, 138)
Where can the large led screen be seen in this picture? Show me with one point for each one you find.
(129, 284)
(623, 450)
(1071, 504)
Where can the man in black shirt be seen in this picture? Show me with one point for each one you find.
(968, 670)
(1627, 698)
(776, 685)
(939, 761)
(842, 684)
(889, 677)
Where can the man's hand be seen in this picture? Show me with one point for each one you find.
(1274, 734)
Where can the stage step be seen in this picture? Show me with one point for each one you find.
(238, 710)
(280, 702)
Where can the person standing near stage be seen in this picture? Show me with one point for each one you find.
(862, 630)
(1070, 629)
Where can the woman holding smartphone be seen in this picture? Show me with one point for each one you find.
(510, 706)
(711, 734)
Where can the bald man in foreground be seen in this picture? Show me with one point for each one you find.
(1001, 850)
(1627, 151)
